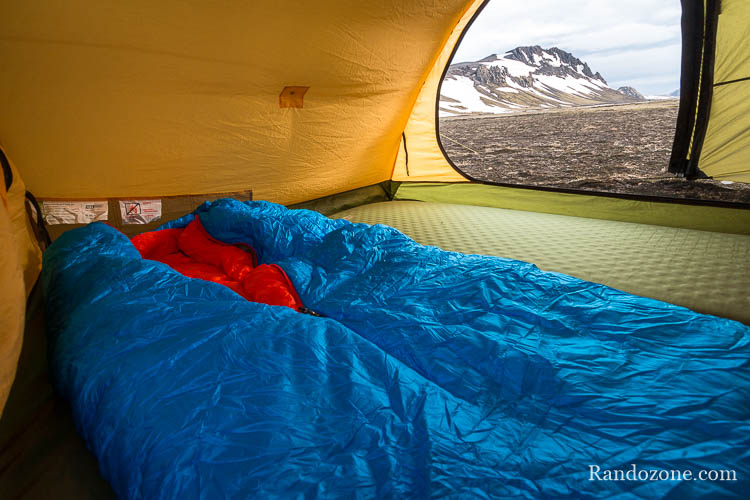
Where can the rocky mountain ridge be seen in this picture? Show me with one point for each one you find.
(529, 77)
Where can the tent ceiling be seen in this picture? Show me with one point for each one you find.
(171, 97)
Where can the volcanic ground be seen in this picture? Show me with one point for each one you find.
(615, 149)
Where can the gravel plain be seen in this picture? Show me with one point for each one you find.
(615, 149)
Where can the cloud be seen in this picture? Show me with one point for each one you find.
(630, 43)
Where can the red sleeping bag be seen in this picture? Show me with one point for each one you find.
(194, 253)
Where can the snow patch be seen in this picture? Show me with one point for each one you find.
(515, 68)
(660, 97)
(568, 84)
(462, 89)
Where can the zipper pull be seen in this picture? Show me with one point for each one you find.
(305, 310)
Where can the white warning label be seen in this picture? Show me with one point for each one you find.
(74, 212)
(140, 211)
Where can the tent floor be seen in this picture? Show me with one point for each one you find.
(704, 271)
(41, 455)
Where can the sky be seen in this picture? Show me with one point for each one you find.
(635, 43)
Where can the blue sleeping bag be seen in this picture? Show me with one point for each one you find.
(430, 374)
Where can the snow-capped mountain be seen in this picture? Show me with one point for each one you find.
(525, 78)
(632, 93)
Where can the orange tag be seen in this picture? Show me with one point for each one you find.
(291, 97)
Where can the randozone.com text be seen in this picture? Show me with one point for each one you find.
(634, 474)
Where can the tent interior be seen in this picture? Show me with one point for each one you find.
(328, 106)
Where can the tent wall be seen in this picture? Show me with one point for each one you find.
(695, 84)
(144, 98)
(20, 263)
(713, 133)
(726, 148)
(12, 305)
(420, 156)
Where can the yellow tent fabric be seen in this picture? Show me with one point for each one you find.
(20, 263)
(145, 98)
(29, 254)
(12, 306)
(726, 148)
(426, 161)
